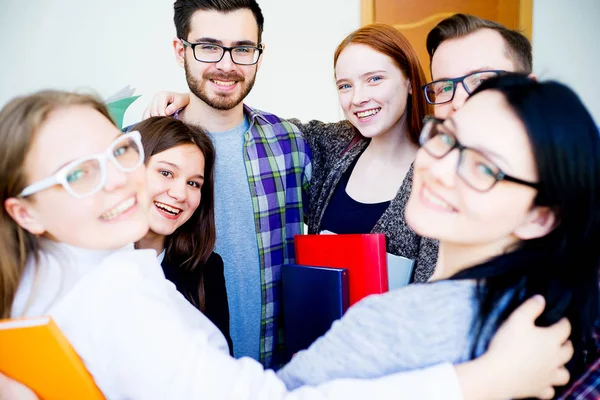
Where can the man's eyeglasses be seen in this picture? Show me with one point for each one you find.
(213, 53)
(86, 176)
(473, 167)
(442, 91)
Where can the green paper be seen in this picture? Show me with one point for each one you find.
(117, 109)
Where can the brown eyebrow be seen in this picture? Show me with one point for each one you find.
(207, 40)
(469, 73)
(485, 152)
(175, 166)
(363, 75)
(379, 71)
(70, 161)
(220, 42)
(172, 165)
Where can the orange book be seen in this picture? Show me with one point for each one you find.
(36, 353)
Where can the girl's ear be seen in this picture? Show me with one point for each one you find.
(539, 222)
(24, 215)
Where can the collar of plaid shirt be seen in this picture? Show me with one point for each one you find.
(278, 165)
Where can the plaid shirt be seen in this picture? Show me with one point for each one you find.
(279, 168)
(587, 387)
(278, 164)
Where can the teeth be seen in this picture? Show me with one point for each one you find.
(118, 210)
(167, 208)
(223, 83)
(368, 113)
(436, 200)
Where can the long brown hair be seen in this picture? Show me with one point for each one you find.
(20, 120)
(387, 40)
(194, 241)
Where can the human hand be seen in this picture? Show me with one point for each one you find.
(13, 390)
(528, 360)
(165, 104)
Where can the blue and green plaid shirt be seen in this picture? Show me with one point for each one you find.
(278, 164)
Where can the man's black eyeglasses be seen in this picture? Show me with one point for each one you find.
(443, 90)
(213, 53)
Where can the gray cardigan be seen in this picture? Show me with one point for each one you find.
(332, 156)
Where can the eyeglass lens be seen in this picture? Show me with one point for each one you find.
(86, 176)
(473, 167)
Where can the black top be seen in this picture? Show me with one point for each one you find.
(215, 293)
(346, 215)
(334, 147)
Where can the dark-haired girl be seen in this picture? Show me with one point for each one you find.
(179, 162)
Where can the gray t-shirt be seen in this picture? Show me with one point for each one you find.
(236, 241)
(414, 327)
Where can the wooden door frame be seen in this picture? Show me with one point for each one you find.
(367, 12)
(367, 15)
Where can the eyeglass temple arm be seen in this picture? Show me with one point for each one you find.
(39, 186)
(517, 180)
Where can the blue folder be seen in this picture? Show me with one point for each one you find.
(313, 298)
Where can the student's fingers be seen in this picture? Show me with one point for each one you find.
(160, 103)
(566, 352)
(163, 101)
(13, 390)
(561, 330)
(562, 377)
(146, 113)
(154, 108)
(547, 394)
(176, 101)
(157, 104)
(529, 360)
(530, 310)
(150, 111)
(170, 110)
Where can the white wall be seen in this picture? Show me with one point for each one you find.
(107, 44)
(566, 46)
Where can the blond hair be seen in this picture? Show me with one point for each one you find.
(20, 120)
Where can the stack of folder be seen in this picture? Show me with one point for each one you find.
(334, 272)
(362, 254)
(313, 297)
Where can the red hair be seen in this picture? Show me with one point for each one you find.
(389, 41)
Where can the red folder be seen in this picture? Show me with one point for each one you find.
(362, 254)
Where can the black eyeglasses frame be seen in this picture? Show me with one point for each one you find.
(225, 50)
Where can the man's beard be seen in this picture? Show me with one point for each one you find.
(219, 101)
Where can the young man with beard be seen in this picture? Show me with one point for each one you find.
(262, 168)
